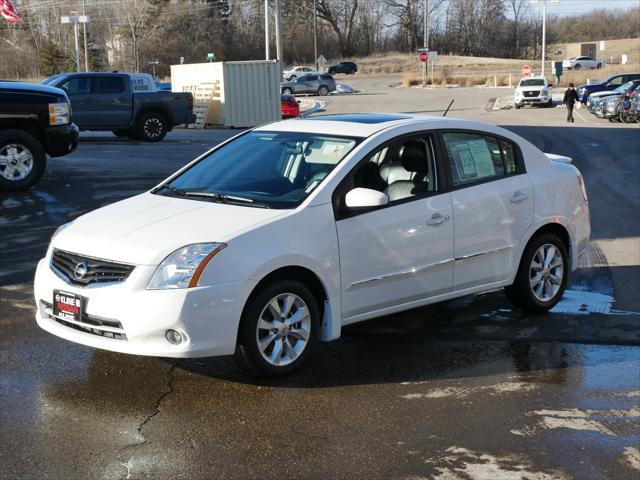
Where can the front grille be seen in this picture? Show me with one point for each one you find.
(532, 93)
(97, 271)
(90, 324)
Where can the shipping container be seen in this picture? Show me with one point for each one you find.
(243, 94)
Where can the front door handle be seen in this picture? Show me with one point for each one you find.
(437, 219)
(519, 197)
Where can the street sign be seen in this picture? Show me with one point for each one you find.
(433, 57)
(422, 49)
(526, 71)
(602, 45)
(424, 56)
(321, 61)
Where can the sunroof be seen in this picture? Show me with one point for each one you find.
(361, 117)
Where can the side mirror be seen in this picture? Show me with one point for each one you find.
(365, 198)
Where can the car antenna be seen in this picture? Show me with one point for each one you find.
(447, 110)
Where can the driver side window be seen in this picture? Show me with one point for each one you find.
(401, 170)
(77, 86)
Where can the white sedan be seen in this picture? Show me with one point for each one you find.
(576, 63)
(287, 232)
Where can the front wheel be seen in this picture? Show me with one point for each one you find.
(22, 160)
(323, 91)
(151, 127)
(542, 275)
(278, 328)
(518, 106)
(577, 66)
(286, 91)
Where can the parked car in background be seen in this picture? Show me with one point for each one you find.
(295, 72)
(533, 91)
(627, 88)
(348, 68)
(326, 221)
(629, 109)
(610, 83)
(289, 106)
(577, 63)
(114, 101)
(318, 83)
(35, 120)
(607, 108)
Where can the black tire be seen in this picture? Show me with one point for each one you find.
(521, 292)
(29, 155)
(627, 117)
(248, 353)
(287, 91)
(151, 127)
(577, 66)
(323, 91)
(518, 106)
(549, 104)
(599, 66)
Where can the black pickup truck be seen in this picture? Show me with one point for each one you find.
(108, 101)
(35, 120)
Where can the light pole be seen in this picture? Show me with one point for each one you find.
(74, 18)
(315, 33)
(425, 40)
(278, 32)
(544, 27)
(266, 30)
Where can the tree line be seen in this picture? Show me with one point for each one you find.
(128, 34)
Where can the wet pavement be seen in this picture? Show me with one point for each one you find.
(469, 389)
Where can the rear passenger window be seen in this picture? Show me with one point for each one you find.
(324, 76)
(312, 77)
(473, 157)
(110, 84)
(509, 156)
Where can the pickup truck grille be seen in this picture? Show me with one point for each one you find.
(532, 93)
(96, 271)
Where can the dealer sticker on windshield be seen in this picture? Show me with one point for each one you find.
(67, 306)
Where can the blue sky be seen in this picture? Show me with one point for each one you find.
(570, 7)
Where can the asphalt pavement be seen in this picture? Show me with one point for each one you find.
(469, 389)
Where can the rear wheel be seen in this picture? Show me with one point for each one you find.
(286, 91)
(278, 328)
(542, 275)
(151, 127)
(22, 160)
(625, 117)
(323, 91)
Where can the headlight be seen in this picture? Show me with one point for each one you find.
(183, 268)
(59, 113)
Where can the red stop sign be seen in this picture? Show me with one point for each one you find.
(526, 71)
(424, 56)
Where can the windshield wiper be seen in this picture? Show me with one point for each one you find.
(171, 188)
(224, 198)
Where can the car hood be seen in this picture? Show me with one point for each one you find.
(603, 94)
(144, 229)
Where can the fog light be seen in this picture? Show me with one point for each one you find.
(173, 336)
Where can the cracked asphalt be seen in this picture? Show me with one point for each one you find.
(468, 389)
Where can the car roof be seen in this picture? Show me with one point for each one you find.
(362, 124)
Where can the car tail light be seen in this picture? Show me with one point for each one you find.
(582, 187)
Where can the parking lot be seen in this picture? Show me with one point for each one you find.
(471, 388)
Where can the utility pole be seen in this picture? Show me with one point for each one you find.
(315, 33)
(84, 35)
(544, 28)
(267, 56)
(425, 39)
(278, 32)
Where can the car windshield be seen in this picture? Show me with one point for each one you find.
(532, 82)
(50, 79)
(262, 169)
(623, 88)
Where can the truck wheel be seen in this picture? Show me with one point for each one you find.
(151, 127)
(22, 160)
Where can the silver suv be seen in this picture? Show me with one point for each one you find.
(318, 83)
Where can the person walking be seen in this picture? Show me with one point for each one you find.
(570, 99)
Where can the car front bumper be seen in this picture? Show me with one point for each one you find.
(128, 318)
(61, 140)
(533, 100)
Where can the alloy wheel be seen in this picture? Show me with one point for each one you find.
(546, 272)
(153, 127)
(283, 329)
(16, 161)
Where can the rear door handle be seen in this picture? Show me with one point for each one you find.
(437, 219)
(519, 197)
